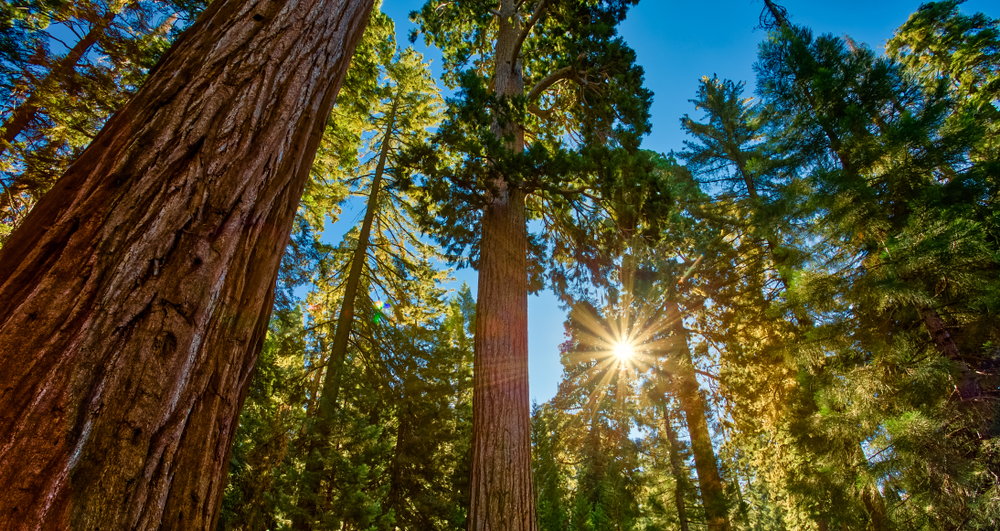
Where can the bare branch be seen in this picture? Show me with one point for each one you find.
(707, 374)
(539, 10)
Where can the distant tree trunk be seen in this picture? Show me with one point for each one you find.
(777, 12)
(395, 499)
(501, 490)
(61, 73)
(135, 297)
(875, 506)
(322, 424)
(677, 467)
(712, 495)
(968, 387)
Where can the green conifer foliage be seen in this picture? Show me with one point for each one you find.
(959, 53)
(589, 474)
(57, 92)
(897, 376)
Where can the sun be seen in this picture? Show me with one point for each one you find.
(623, 350)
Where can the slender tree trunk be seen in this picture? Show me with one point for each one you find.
(709, 479)
(875, 506)
(135, 297)
(777, 12)
(61, 73)
(968, 387)
(395, 498)
(501, 484)
(322, 425)
(677, 467)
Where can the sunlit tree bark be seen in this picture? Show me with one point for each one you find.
(136, 295)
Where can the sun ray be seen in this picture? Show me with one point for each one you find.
(624, 340)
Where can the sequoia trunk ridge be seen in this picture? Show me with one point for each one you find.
(502, 497)
(135, 297)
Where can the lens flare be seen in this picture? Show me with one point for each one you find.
(624, 350)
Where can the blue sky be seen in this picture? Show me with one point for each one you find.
(677, 43)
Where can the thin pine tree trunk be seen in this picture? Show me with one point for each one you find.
(322, 425)
(709, 479)
(135, 297)
(677, 467)
(501, 483)
(777, 12)
(395, 498)
(875, 506)
(61, 73)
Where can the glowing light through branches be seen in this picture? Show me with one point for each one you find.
(624, 350)
(625, 341)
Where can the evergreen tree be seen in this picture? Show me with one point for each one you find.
(54, 103)
(407, 111)
(901, 286)
(531, 74)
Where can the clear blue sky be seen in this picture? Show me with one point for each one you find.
(677, 43)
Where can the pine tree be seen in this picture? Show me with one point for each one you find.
(902, 284)
(942, 46)
(408, 110)
(549, 479)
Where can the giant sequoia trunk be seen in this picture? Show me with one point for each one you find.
(502, 497)
(709, 480)
(134, 298)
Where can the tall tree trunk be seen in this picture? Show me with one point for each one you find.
(501, 490)
(709, 480)
(135, 297)
(322, 425)
(677, 467)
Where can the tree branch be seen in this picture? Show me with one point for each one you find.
(706, 374)
(544, 114)
(566, 72)
(539, 10)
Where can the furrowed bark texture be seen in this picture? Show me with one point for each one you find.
(709, 480)
(502, 497)
(135, 296)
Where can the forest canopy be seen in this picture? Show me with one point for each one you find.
(791, 320)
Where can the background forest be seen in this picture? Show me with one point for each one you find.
(789, 322)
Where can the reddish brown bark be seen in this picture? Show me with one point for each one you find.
(693, 405)
(501, 490)
(134, 298)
